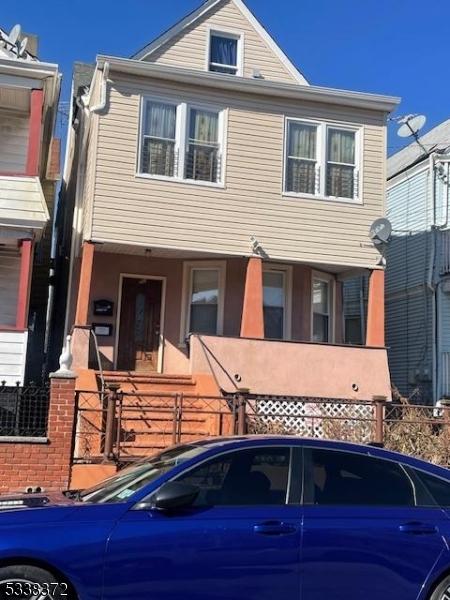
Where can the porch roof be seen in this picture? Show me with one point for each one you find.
(113, 247)
(22, 203)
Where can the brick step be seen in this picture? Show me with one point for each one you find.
(153, 379)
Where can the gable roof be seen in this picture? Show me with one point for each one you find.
(201, 11)
(436, 140)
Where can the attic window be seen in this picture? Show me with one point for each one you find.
(224, 53)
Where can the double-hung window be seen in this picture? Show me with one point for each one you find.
(341, 163)
(224, 53)
(181, 141)
(301, 160)
(321, 160)
(159, 138)
(202, 156)
(322, 308)
(203, 298)
(277, 283)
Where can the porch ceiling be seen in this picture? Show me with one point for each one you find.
(151, 252)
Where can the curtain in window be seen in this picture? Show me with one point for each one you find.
(203, 126)
(340, 177)
(224, 50)
(204, 301)
(301, 161)
(202, 161)
(160, 120)
(273, 303)
(158, 146)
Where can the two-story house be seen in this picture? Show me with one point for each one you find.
(418, 285)
(220, 202)
(29, 157)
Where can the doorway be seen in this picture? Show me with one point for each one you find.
(140, 334)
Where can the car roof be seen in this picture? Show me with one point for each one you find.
(248, 441)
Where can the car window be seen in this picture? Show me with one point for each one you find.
(245, 477)
(437, 487)
(344, 478)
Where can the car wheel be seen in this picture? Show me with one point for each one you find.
(26, 582)
(442, 592)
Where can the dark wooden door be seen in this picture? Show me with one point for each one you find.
(139, 333)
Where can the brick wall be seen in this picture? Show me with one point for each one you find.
(46, 464)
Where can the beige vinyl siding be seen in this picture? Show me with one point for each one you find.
(13, 350)
(9, 284)
(152, 213)
(14, 143)
(189, 48)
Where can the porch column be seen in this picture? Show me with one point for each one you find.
(252, 323)
(34, 133)
(375, 310)
(23, 297)
(84, 288)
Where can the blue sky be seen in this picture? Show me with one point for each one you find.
(396, 47)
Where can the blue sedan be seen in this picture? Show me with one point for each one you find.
(249, 518)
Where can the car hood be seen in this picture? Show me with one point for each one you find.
(14, 502)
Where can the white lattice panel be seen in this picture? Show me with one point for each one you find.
(317, 419)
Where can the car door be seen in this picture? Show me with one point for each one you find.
(240, 540)
(366, 535)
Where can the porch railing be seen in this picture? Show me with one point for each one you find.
(24, 411)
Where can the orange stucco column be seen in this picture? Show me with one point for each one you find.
(23, 297)
(375, 310)
(252, 323)
(84, 288)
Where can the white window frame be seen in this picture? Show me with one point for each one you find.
(331, 281)
(188, 268)
(226, 33)
(183, 109)
(287, 308)
(321, 159)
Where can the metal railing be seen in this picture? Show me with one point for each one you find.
(24, 410)
(124, 426)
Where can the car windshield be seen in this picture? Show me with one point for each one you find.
(123, 485)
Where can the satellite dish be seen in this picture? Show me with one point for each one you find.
(411, 125)
(14, 34)
(380, 231)
(23, 45)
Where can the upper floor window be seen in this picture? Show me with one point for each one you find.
(159, 138)
(181, 141)
(321, 160)
(224, 53)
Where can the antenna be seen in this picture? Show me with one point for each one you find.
(380, 231)
(22, 47)
(14, 34)
(410, 127)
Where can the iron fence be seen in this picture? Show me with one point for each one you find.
(24, 410)
(124, 426)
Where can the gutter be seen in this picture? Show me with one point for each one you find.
(251, 86)
(36, 70)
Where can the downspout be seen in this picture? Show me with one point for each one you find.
(101, 105)
(430, 280)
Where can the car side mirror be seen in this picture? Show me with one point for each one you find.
(174, 495)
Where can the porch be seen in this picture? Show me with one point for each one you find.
(244, 322)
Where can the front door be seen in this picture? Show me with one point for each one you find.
(368, 532)
(139, 334)
(240, 541)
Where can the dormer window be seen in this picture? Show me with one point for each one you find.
(224, 53)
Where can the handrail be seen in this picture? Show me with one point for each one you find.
(99, 362)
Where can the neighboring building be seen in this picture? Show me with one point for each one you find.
(29, 164)
(216, 193)
(418, 267)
